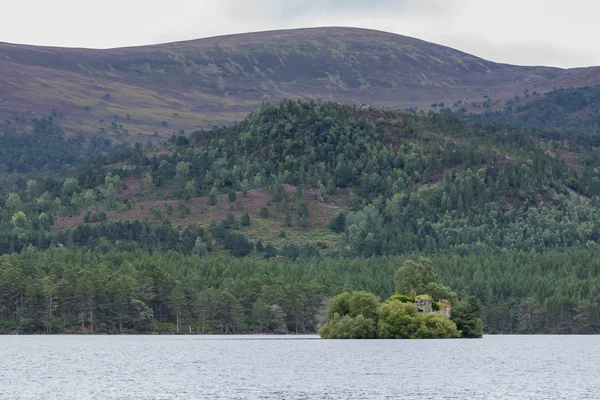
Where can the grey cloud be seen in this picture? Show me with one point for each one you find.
(300, 9)
(521, 52)
(294, 8)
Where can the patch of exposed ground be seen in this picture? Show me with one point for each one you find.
(201, 213)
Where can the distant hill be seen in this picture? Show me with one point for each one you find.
(197, 84)
(571, 114)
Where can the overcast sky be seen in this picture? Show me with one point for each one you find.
(526, 32)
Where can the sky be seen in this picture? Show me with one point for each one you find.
(523, 32)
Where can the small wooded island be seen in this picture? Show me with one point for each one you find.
(435, 313)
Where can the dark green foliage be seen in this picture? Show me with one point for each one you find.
(278, 192)
(229, 221)
(182, 141)
(183, 210)
(340, 305)
(291, 251)
(363, 303)
(288, 219)
(264, 212)
(96, 217)
(237, 244)
(569, 114)
(212, 199)
(338, 223)
(45, 149)
(467, 316)
(415, 276)
(232, 196)
(270, 251)
(144, 292)
(245, 219)
(509, 284)
(351, 316)
(420, 278)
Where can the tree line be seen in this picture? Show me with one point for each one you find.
(59, 290)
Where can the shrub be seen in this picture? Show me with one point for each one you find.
(338, 223)
(245, 220)
(401, 298)
(348, 327)
(237, 244)
(232, 196)
(436, 326)
(264, 212)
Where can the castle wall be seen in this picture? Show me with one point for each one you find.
(445, 309)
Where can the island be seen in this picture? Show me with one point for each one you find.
(361, 315)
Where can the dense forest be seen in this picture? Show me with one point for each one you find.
(39, 145)
(571, 114)
(56, 290)
(505, 214)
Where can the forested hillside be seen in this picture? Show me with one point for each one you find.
(325, 196)
(38, 145)
(571, 114)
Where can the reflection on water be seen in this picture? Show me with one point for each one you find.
(304, 367)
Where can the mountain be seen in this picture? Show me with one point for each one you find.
(200, 83)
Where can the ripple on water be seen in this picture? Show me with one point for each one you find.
(238, 367)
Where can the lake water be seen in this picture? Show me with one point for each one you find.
(275, 367)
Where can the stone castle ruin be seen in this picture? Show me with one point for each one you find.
(425, 306)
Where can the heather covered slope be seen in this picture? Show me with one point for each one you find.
(196, 84)
(249, 228)
(395, 181)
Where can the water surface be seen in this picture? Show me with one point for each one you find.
(288, 367)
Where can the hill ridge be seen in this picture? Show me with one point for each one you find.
(188, 85)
